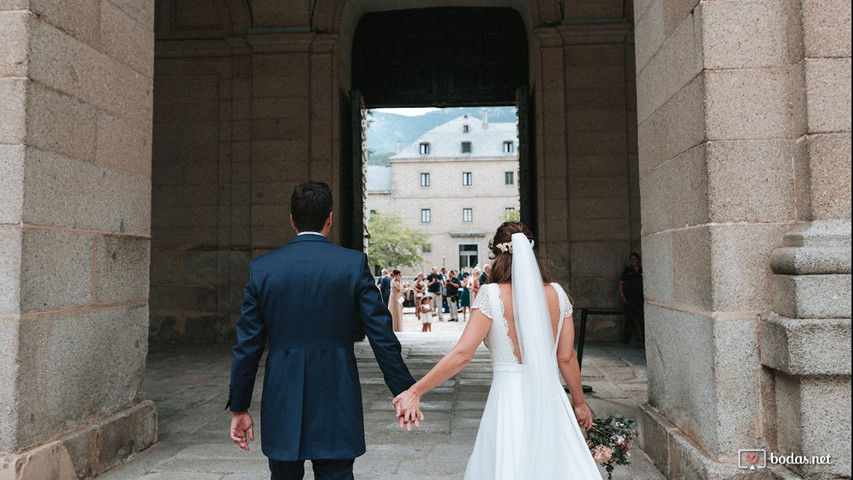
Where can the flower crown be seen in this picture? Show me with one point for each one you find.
(505, 247)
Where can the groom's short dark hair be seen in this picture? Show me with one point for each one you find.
(310, 206)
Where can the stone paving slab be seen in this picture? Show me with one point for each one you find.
(189, 385)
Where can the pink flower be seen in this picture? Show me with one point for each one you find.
(602, 454)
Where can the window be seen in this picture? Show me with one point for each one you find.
(467, 179)
(424, 179)
(509, 178)
(426, 248)
(511, 215)
(424, 149)
(425, 215)
(466, 128)
(467, 214)
(509, 146)
(466, 147)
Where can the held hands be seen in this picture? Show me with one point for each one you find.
(408, 409)
(242, 427)
(583, 415)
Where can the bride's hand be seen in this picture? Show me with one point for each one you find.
(408, 409)
(584, 416)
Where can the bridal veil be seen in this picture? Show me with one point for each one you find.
(553, 446)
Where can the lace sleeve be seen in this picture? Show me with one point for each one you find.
(565, 304)
(482, 302)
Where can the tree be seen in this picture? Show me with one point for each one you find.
(393, 244)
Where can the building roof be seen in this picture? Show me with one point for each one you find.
(445, 141)
(378, 178)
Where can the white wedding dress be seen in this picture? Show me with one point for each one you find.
(528, 430)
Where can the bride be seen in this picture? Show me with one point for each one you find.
(529, 429)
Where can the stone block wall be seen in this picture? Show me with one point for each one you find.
(724, 137)
(201, 200)
(75, 90)
(238, 122)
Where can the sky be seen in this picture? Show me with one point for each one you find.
(409, 112)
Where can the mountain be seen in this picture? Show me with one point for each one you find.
(385, 129)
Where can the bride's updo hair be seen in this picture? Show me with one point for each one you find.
(502, 263)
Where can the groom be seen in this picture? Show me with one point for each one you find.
(305, 299)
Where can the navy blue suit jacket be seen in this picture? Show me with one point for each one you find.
(385, 288)
(305, 299)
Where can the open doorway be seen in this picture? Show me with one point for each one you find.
(451, 181)
(439, 58)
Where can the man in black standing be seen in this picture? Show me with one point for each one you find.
(444, 278)
(452, 287)
(631, 292)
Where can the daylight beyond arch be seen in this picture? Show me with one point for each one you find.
(440, 57)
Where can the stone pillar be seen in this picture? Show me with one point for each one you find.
(805, 341)
(75, 140)
(551, 150)
(722, 176)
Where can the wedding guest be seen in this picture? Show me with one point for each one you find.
(419, 288)
(434, 281)
(465, 285)
(385, 286)
(409, 294)
(484, 277)
(395, 303)
(426, 314)
(475, 284)
(452, 287)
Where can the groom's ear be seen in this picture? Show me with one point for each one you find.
(292, 223)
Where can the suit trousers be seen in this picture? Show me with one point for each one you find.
(451, 304)
(436, 304)
(634, 318)
(323, 469)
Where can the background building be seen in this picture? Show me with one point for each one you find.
(456, 182)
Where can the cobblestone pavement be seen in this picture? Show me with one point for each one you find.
(189, 385)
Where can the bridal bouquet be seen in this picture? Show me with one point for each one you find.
(609, 441)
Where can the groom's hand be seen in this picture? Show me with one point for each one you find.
(408, 410)
(242, 427)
